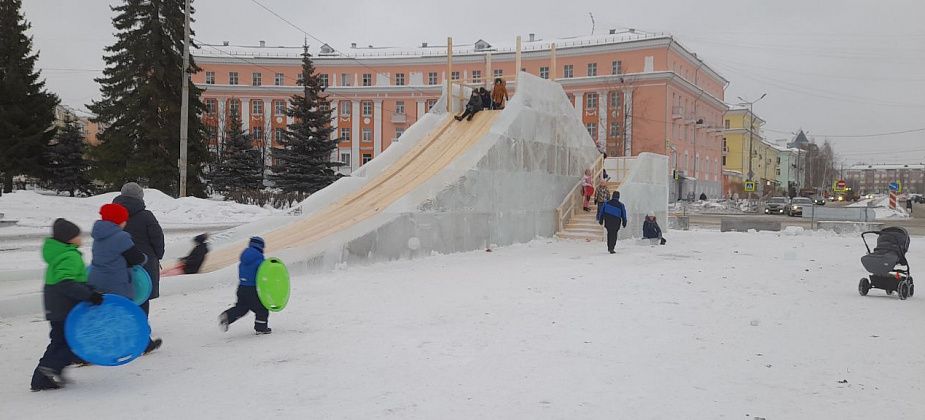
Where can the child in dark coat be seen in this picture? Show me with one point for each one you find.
(651, 230)
(474, 105)
(65, 286)
(191, 263)
(248, 300)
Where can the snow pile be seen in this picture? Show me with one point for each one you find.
(881, 205)
(40, 210)
(736, 326)
(709, 207)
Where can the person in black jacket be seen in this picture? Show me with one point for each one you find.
(486, 98)
(651, 230)
(148, 237)
(474, 105)
(612, 214)
(193, 262)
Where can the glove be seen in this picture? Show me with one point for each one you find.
(96, 298)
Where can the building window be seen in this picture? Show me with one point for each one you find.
(568, 71)
(724, 160)
(345, 108)
(344, 79)
(257, 133)
(591, 100)
(366, 134)
(367, 107)
(432, 78)
(344, 134)
(211, 106)
(454, 75)
(300, 79)
(325, 106)
(726, 124)
(398, 132)
(278, 80)
(210, 77)
(399, 79)
(257, 107)
(234, 107)
(232, 78)
(400, 107)
(592, 130)
(323, 79)
(430, 103)
(616, 67)
(367, 157)
(367, 79)
(345, 158)
(614, 129)
(278, 134)
(279, 108)
(592, 69)
(614, 100)
(256, 79)
(544, 72)
(498, 73)
(476, 76)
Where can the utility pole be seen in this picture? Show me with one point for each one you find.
(184, 105)
(751, 125)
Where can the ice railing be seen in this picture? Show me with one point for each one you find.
(574, 198)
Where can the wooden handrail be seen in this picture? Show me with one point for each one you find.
(571, 201)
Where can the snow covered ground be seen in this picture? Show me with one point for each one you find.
(713, 325)
(36, 212)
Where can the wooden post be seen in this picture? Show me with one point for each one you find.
(449, 75)
(553, 73)
(517, 66)
(487, 69)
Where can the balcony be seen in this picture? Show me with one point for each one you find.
(399, 118)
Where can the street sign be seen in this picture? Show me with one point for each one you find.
(896, 187)
(751, 186)
(840, 186)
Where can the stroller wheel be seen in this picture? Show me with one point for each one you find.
(911, 289)
(864, 287)
(903, 290)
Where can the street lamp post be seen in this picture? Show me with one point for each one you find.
(751, 125)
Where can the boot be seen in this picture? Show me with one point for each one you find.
(45, 378)
(153, 345)
(223, 322)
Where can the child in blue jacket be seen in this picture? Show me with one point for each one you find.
(248, 300)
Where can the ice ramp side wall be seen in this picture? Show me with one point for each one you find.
(502, 190)
(644, 191)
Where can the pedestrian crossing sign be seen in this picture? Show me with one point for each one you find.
(751, 186)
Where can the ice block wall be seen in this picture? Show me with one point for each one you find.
(644, 191)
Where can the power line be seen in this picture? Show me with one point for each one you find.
(888, 133)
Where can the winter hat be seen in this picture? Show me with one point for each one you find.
(201, 239)
(131, 189)
(616, 195)
(114, 213)
(257, 242)
(63, 230)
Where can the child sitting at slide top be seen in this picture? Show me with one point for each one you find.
(65, 286)
(248, 300)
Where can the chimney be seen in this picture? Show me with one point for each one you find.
(353, 45)
(263, 44)
(532, 37)
(423, 45)
(613, 31)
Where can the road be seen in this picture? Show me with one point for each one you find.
(915, 225)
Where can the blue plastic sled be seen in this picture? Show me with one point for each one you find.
(110, 334)
(141, 282)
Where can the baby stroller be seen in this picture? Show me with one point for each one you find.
(887, 264)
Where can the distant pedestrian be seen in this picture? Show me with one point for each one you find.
(703, 196)
(587, 190)
(474, 105)
(612, 215)
(909, 205)
(498, 94)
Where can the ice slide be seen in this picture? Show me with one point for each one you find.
(447, 186)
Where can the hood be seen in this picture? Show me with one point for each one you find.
(103, 229)
(132, 204)
(613, 201)
(53, 249)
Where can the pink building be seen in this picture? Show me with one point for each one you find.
(635, 93)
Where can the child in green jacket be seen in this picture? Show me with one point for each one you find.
(65, 286)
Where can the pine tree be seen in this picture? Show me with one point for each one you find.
(141, 96)
(239, 168)
(303, 162)
(67, 168)
(27, 111)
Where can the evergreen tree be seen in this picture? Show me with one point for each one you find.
(67, 169)
(27, 111)
(239, 168)
(141, 96)
(303, 162)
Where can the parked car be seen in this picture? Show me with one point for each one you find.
(796, 206)
(917, 198)
(775, 205)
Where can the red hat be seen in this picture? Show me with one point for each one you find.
(114, 213)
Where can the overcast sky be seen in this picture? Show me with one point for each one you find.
(834, 67)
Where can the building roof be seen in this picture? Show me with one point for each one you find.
(885, 166)
(799, 141)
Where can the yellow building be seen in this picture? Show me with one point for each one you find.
(741, 136)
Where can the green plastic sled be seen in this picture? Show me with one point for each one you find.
(273, 284)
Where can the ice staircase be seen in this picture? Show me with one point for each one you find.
(582, 225)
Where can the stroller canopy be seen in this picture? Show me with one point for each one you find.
(892, 245)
